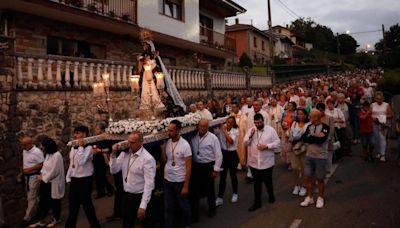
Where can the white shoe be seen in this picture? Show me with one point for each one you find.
(307, 201)
(38, 224)
(320, 202)
(303, 191)
(383, 159)
(378, 156)
(234, 198)
(219, 202)
(53, 223)
(296, 190)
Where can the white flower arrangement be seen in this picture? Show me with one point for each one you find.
(153, 126)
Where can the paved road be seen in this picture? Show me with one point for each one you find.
(357, 195)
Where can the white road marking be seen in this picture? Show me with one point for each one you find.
(295, 223)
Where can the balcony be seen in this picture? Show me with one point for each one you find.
(125, 10)
(217, 40)
(50, 72)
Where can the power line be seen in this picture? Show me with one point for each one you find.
(290, 10)
(361, 32)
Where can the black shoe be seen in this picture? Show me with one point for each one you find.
(271, 200)
(254, 207)
(212, 212)
(249, 180)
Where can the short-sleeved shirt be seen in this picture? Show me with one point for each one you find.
(175, 169)
(32, 157)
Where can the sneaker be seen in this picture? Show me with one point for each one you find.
(53, 223)
(296, 190)
(219, 202)
(38, 224)
(307, 201)
(320, 202)
(234, 198)
(378, 156)
(383, 159)
(303, 191)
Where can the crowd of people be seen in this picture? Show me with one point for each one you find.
(310, 123)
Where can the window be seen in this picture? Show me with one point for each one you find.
(172, 8)
(255, 41)
(262, 45)
(66, 47)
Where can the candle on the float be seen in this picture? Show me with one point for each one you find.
(134, 83)
(160, 80)
(100, 87)
(106, 79)
(95, 89)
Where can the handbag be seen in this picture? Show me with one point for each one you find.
(299, 148)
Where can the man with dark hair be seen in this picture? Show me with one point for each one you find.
(80, 177)
(138, 171)
(261, 157)
(100, 163)
(177, 157)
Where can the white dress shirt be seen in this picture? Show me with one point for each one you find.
(263, 159)
(234, 134)
(205, 114)
(80, 162)
(32, 157)
(336, 114)
(175, 168)
(53, 172)
(207, 149)
(246, 110)
(138, 172)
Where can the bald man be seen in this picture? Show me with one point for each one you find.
(316, 136)
(207, 160)
(32, 159)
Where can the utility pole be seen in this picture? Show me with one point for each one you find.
(384, 40)
(338, 47)
(271, 44)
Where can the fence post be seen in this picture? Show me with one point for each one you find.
(208, 80)
(248, 80)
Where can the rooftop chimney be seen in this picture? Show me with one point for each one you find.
(237, 21)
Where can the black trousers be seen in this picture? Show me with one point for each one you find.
(172, 195)
(229, 163)
(80, 194)
(46, 202)
(259, 176)
(100, 175)
(341, 136)
(201, 185)
(119, 192)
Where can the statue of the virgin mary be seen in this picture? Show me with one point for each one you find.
(150, 62)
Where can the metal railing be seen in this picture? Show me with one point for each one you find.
(125, 10)
(215, 39)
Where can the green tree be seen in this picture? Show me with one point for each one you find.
(245, 61)
(348, 44)
(391, 57)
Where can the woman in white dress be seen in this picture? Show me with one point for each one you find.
(381, 112)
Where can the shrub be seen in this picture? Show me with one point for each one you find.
(390, 82)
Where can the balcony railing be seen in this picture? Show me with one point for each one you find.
(50, 72)
(215, 39)
(125, 10)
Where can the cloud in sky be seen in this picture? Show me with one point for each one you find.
(340, 15)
